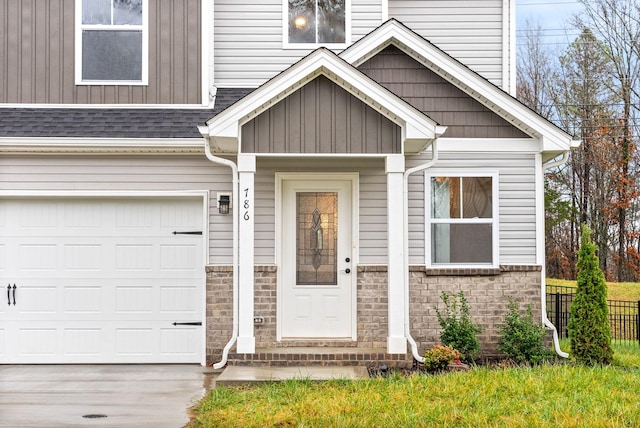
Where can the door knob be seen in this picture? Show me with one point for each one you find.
(347, 270)
(347, 260)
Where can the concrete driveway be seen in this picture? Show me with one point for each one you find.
(100, 395)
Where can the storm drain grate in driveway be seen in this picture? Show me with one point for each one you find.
(94, 416)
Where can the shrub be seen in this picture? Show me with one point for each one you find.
(458, 330)
(439, 357)
(521, 338)
(589, 330)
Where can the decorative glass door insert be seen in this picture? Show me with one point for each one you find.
(316, 287)
(316, 235)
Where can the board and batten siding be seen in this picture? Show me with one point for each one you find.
(248, 45)
(37, 56)
(320, 117)
(516, 176)
(114, 174)
(470, 31)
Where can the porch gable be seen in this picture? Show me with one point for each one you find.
(321, 117)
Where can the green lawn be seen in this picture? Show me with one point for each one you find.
(616, 290)
(546, 396)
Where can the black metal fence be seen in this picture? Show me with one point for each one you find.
(624, 315)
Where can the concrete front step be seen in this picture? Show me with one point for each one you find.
(247, 375)
(320, 356)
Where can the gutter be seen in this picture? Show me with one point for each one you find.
(405, 193)
(545, 320)
(234, 203)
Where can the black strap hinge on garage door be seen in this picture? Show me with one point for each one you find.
(188, 323)
(197, 232)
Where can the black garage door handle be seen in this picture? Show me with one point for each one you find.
(9, 294)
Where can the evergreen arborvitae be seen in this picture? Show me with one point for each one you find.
(589, 328)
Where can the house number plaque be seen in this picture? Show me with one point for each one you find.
(246, 205)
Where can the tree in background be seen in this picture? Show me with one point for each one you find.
(589, 329)
(616, 23)
(592, 90)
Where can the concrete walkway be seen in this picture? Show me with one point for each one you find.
(100, 395)
(245, 375)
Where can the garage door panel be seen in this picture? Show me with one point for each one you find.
(178, 341)
(84, 341)
(38, 257)
(83, 300)
(102, 281)
(174, 257)
(134, 257)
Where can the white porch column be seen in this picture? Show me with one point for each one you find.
(245, 210)
(394, 168)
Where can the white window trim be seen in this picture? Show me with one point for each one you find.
(494, 221)
(145, 48)
(285, 31)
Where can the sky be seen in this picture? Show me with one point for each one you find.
(553, 15)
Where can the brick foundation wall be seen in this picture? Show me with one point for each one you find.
(487, 290)
(219, 312)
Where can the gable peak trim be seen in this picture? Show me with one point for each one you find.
(224, 129)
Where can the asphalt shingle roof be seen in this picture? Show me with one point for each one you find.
(113, 122)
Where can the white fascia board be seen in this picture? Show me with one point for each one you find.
(392, 32)
(488, 145)
(100, 145)
(416, 124)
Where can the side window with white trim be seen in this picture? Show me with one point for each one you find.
(111, 42)
(316, 22)
(462, 220)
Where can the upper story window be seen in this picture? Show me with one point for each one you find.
(462, 219)
(111, 42)
(311, 23)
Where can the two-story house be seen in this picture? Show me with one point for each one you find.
(218, 181)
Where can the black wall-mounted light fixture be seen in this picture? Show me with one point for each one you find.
(223, 204)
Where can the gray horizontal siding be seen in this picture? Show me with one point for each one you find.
(248, 39)
(37, 55)
(470, 31)
(126, 173)
(174, 173)
(517, 202)
(373, 203)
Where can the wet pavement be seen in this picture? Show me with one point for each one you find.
(235, 376)
(100, 395)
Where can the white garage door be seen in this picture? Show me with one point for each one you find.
(101, 280)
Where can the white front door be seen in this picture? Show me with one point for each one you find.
(317, 260)
(101, 280)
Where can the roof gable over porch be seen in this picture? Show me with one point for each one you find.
(321, 117)
(386, 109)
